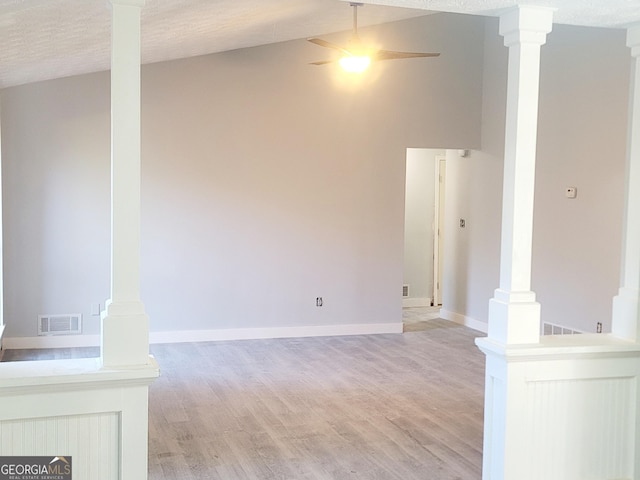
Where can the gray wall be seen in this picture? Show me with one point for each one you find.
(581, 142)
(55, 168)
(266, 182)
(583, 131)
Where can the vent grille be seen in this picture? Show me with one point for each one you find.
(68, 324)
(553, 329)
(405, 290)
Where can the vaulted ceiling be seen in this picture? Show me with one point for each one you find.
(44, 39)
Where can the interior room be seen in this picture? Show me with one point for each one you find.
(273, 219)
(342, 199)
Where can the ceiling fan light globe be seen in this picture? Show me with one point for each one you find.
(355, 64)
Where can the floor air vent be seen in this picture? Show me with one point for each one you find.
(60, 324)
(405, 290)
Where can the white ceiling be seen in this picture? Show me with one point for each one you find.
(44, 39)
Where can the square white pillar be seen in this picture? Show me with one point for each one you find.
(514, 314)
(125, 325)
(626, 311)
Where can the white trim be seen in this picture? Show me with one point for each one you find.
(181, 336)
(464, 320)
(416, 302)
(437, 231)
(274, 332)
(57, 341)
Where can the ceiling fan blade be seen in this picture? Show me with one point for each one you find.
(322, 62)
(391, 55)
(324, 43)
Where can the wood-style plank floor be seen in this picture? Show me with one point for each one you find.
(373, 407)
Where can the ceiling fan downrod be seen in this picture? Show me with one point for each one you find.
(355, 6)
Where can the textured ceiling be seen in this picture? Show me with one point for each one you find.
(44, 39)
(597, 13)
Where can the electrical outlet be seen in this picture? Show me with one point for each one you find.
(599, 327)
(463, 223)
(318, 301)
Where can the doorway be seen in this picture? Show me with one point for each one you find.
(438, 234)
(423, 234)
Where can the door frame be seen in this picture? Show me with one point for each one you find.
(438, 228)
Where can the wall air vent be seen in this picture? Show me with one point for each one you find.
(68, 324)
(405, 290)
(553, 329)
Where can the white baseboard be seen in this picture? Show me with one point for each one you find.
(274, 332)
(464, 320)
(182, 336)
(51, 341)
(416, 302)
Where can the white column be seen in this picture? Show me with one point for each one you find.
(555, 406)
(1, 240)
(514, 314)
(125, 325)
(626, 315)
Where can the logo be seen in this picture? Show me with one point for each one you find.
(35, 468)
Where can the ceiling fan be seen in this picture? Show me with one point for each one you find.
(356, 57)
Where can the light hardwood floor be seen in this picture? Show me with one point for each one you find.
(416, 319)
(363, 407)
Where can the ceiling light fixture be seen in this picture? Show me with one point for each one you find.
(357, 57)
(355, 64)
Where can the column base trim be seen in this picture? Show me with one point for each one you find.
(514, 322)
(124, 339)
(625, 308)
